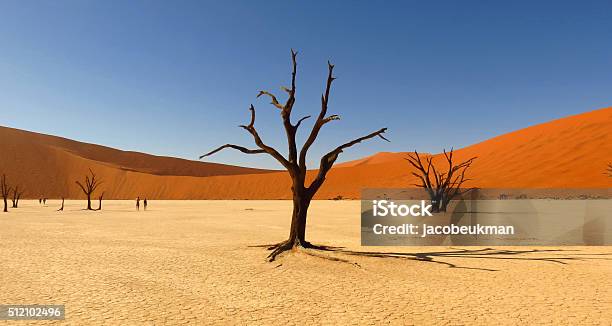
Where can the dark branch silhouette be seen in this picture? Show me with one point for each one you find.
(17, 193)
(441, 186)
(295, 162)
(5, 190)
(100, 201)
(61, 208)
(88, 188)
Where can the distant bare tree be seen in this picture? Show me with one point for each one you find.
(295, 162)
(441, 186)
(100, 203)
(61, 208)
(91, 184)
(16, 196)
(5, 190)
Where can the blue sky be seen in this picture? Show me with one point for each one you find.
(176, 77)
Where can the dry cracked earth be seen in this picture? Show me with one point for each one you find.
(200, 262)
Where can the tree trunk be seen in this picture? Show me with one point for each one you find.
(436, 203)
(89, 202)
(297, 233)
(5, 206)
(444, 203)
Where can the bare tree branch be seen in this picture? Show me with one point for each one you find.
(259, 142)
(80, 185)
(297, 125)
(328, 160)
(415, 161)
(290, 129)
(442, 186)
(320, 119)
(263, 147)
(331, 118)
(274, 100)
(252, 123)
(291, 92)
(240, 148)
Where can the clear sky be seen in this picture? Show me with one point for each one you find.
(176, 77)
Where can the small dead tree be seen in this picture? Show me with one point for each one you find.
(91, 184)
(5, 190)
(16, 196)
(441, 186)
(61, 208)
(295, 161)
(100, 203)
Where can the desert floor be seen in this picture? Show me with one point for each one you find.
(197, 262)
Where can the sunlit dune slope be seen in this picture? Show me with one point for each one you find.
(378, 158)
(566, 153)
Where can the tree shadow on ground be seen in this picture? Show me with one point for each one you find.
(437, 256)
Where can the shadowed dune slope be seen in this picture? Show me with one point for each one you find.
(49, 166)
(566, 153)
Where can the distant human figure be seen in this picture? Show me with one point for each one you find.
(145, 204)
(138, 203)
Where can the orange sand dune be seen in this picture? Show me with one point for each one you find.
(49, 166)
(378, 158)
(566, 153)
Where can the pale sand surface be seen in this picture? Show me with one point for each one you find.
(189, 262)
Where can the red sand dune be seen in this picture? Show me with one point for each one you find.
(566, 153)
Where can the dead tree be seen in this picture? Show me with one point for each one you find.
(5, 190)
(16, 196)
(91, 184)
(61, 209)
(100, 203)
(441, 186)
(295, 161)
